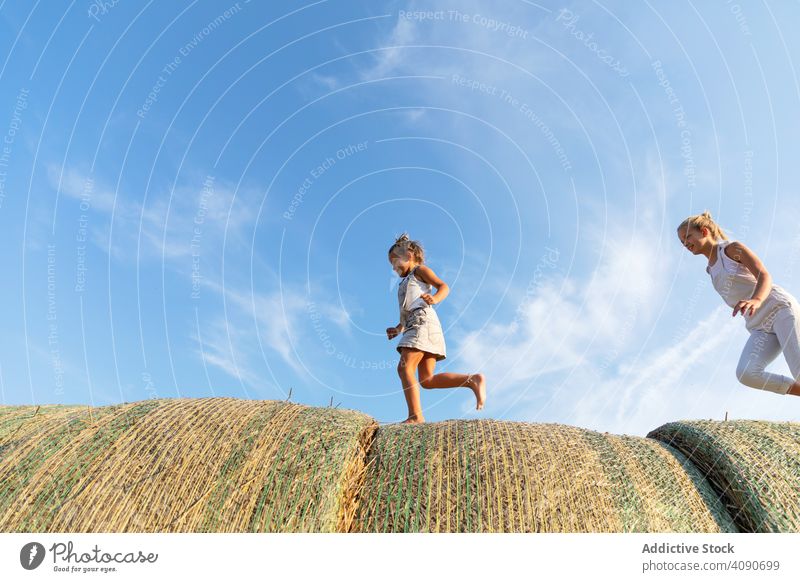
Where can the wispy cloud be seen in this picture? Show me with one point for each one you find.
(261, 324)
(227, 347)
(693, 378)
(569, 321)
(663, 384)
(174, 225)
(256, 325)
(278, 317)
(493, 30)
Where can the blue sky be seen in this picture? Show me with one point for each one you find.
(196, 199)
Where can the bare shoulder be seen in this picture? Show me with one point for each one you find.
(736, 251)
(741, 253)
(426, 274)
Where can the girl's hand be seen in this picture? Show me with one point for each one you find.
(391, 332)
(741, 254)
(425, 273)
(747, 304)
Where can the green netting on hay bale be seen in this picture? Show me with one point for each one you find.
(182, 465)
(13, 418)
(494, 476)
(753, 464)
(29, 437)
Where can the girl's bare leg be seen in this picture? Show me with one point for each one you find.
(795, 389)
(475, 382)
(409, 360)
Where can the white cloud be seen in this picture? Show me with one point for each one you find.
(328, 81)
(170, 222)
(562, 322)
(278, 315)
(388, 61)
(474, 25)
(225, 346)
(694, 378)
(230, 344)
(658, 385)
(274, 321)
(568, 321)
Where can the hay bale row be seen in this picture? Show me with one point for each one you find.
(181, 465)
(493, 476)
(231, 465)
(753, 465)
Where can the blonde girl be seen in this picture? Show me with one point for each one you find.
(422, 343)
(771, 314)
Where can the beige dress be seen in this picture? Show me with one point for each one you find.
(422, 329)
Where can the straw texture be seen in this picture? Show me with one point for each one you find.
(754, 465)
(493, 476)
(232, 465)
(181, 465)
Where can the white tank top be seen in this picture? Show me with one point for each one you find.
(410, 292)
(734, 282)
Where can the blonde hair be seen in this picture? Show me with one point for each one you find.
(699, 221)
(403, 244)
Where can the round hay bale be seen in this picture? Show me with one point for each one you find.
(496, 476)
(181, 465)
(754, 465)
(29, 437)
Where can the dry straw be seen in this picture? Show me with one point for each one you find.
(231, 465)
(493, 476)
(182, 465)
(753, 464)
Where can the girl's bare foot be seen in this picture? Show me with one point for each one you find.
(413, 420)
(478, 384)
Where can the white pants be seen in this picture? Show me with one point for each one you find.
(764, 347)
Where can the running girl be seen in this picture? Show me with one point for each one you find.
(772, 314)
(422, 343)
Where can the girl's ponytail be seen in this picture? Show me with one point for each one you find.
(699, 221)
(403, 244)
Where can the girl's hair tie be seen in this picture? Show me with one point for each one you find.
(704, 220)
(404, 243)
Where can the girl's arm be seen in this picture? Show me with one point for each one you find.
(428, 276)
(741, 254)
